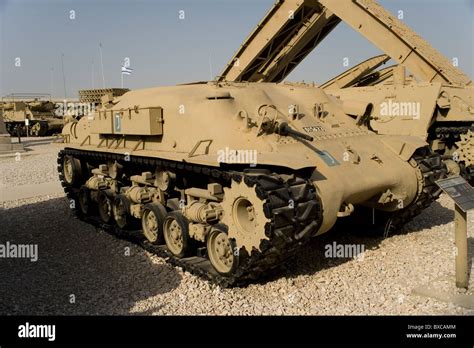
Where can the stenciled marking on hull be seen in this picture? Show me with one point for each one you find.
(117, 122)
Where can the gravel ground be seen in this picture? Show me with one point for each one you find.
(410, 273)
(36, 166)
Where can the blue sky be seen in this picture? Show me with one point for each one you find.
(166, 50)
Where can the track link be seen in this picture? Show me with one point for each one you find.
(288, 227)
(451, 135)
(431, 169)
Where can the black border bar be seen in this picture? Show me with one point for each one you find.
(292, 331)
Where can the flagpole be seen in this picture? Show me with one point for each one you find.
(64, 76)
(92, 74)
(51, 80)
(102, 65)
(210, 67)
(121, 76)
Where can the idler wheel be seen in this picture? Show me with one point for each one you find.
(72, 172)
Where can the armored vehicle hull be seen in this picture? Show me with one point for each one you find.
(230, 179)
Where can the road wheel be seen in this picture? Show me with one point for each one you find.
(85, 202)
(152, 222)
(105, 204)
(222, 252)
(121, 210)
(176, 233)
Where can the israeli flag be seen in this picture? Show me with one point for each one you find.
(126, 70)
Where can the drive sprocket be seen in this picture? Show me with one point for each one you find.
(465, 149)
(243, 213)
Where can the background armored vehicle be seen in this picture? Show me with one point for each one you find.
(38, 109)
(6, 145)
(444, 95)
(45, 115)
(227, 180)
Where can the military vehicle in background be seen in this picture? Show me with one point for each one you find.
(228, 180)
(36, 114)
(442, 94)
(6, 144)
(30, 113)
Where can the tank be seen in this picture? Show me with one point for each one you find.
(40, 113)
(228, 180)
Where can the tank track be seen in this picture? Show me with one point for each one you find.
(38, 128)
(289, 225)
(452, 134)
(431, 169)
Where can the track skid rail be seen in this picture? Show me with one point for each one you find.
(293, 28)
(397, 40)
(285, 36)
